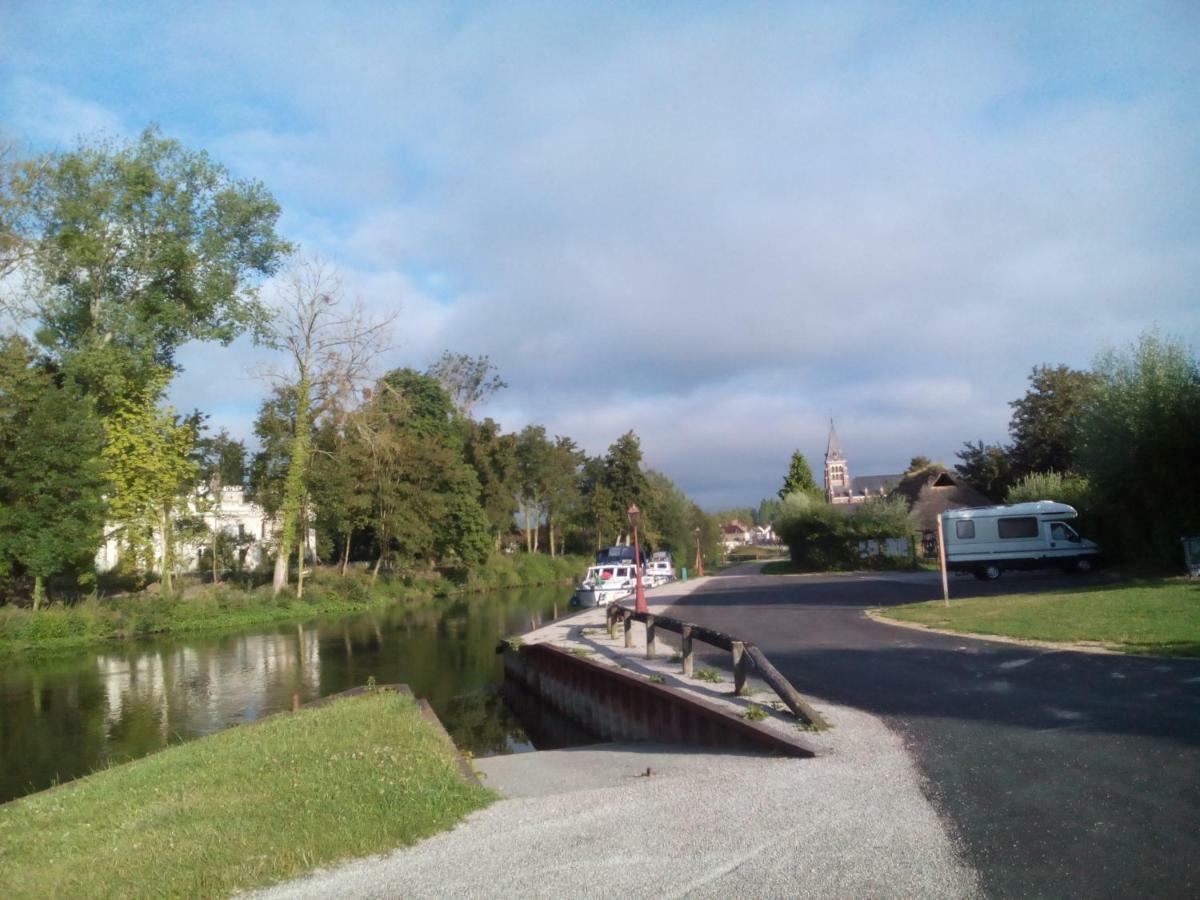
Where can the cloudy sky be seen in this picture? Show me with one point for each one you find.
(715, 224)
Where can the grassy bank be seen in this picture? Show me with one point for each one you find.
(242, 808)
(227, 608)
(1160, 617)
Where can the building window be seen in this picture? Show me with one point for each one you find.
(1018, 527)
(964, 529)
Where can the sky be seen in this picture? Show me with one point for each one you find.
(717, 225)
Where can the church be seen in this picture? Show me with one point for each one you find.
(840, 487)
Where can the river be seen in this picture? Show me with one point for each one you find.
(63, 716)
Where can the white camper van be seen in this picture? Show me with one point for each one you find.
(986, 540)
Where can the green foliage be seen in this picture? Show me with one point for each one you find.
(656, 679)
(142, 247)
(822, 536)
(712, 676)
(1139, 443)
(51, 478)
(493, 456)
(466, 380)
(986, 467)
(1058, 486)
(1045, 421)
(799, 478)
(756, 713)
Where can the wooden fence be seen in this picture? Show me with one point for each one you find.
(744, 654)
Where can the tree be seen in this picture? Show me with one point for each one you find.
(466, 379)
(1066, 488)
(1045, 421)
(986, 467)
(341, 505)
(141, 248)
(596, 512)
(148, 456)
(220, 461)
(561, 485)
(799, 478)
(1139, 439)
(768, 511)
(329, 348)
(533, 467)
(19, 177)
(623, 474)
(494, 457)
(51, 479)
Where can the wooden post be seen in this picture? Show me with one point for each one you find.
(650, 637)
(784, 689)
(612, 623)
(689, 656)
(629, 631)
(295, 702)
(942, 560)
(739, 667)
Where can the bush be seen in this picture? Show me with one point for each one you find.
(824, 537)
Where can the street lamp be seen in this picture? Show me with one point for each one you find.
(639, 603)
(699, 558)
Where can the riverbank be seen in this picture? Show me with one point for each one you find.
(218, 608)
(243, 808)
(1160, 617)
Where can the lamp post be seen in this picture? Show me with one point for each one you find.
(699, 558)
(639, 603)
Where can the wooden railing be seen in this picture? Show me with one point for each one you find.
(743, 653)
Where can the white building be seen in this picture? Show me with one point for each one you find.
(227, 512)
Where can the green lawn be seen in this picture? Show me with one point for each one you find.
(242, 808)
(1159, 617)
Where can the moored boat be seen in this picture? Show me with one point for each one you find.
(604, 584)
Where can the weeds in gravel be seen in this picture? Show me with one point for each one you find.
(657, 679)
(712, 676)
(755, 713)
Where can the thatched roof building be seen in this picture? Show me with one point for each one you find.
(933, 491)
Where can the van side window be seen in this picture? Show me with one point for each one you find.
(1018, 527)
(964, 529)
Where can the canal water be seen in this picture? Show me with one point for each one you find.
(65, 716)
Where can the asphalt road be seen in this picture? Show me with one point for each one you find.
(1061, 773)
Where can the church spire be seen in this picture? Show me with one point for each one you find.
(833, 449)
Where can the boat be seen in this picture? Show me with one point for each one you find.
(660, 569)
(604, 584)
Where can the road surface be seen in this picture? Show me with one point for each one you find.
(1061, 773)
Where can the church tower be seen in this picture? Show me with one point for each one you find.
(837, 472)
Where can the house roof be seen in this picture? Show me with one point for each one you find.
(860, 484)
(935, 490)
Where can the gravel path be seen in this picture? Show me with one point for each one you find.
(590, 822)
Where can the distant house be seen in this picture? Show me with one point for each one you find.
(933, 491)
(763, 536)
(228, 512)
(734, 534)
(840, 487)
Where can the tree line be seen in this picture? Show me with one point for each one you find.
(116, 254)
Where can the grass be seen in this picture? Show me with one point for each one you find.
(656, 679)
(710, 675)
(227, 608)
(1160, 617)
(755, 713)
(246, 807)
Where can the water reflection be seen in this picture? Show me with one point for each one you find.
(63, 717)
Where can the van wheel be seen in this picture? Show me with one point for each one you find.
(1083, 566)
(988, 573)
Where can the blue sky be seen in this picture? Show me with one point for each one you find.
(714, 224)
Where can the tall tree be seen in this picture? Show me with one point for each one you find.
(140, 248)
(623, 474)
(329, 347)
(533, 465)
(148, 455)
(493, 455)
(561, 486)
(467, 380)
(799, 478)
(220, 463)
(987, 468)
(51, 480)
(1139, 442)
(1045, 421)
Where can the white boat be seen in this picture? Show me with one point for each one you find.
(660, 569)
(605, 583)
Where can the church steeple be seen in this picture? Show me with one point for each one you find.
(837, 472)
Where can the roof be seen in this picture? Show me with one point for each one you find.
(833, 449)
(1036, 508)
(860, 484)
(934, 491)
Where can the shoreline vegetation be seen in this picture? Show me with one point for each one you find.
(1159, 617)
(243, 808)
(217, 608)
